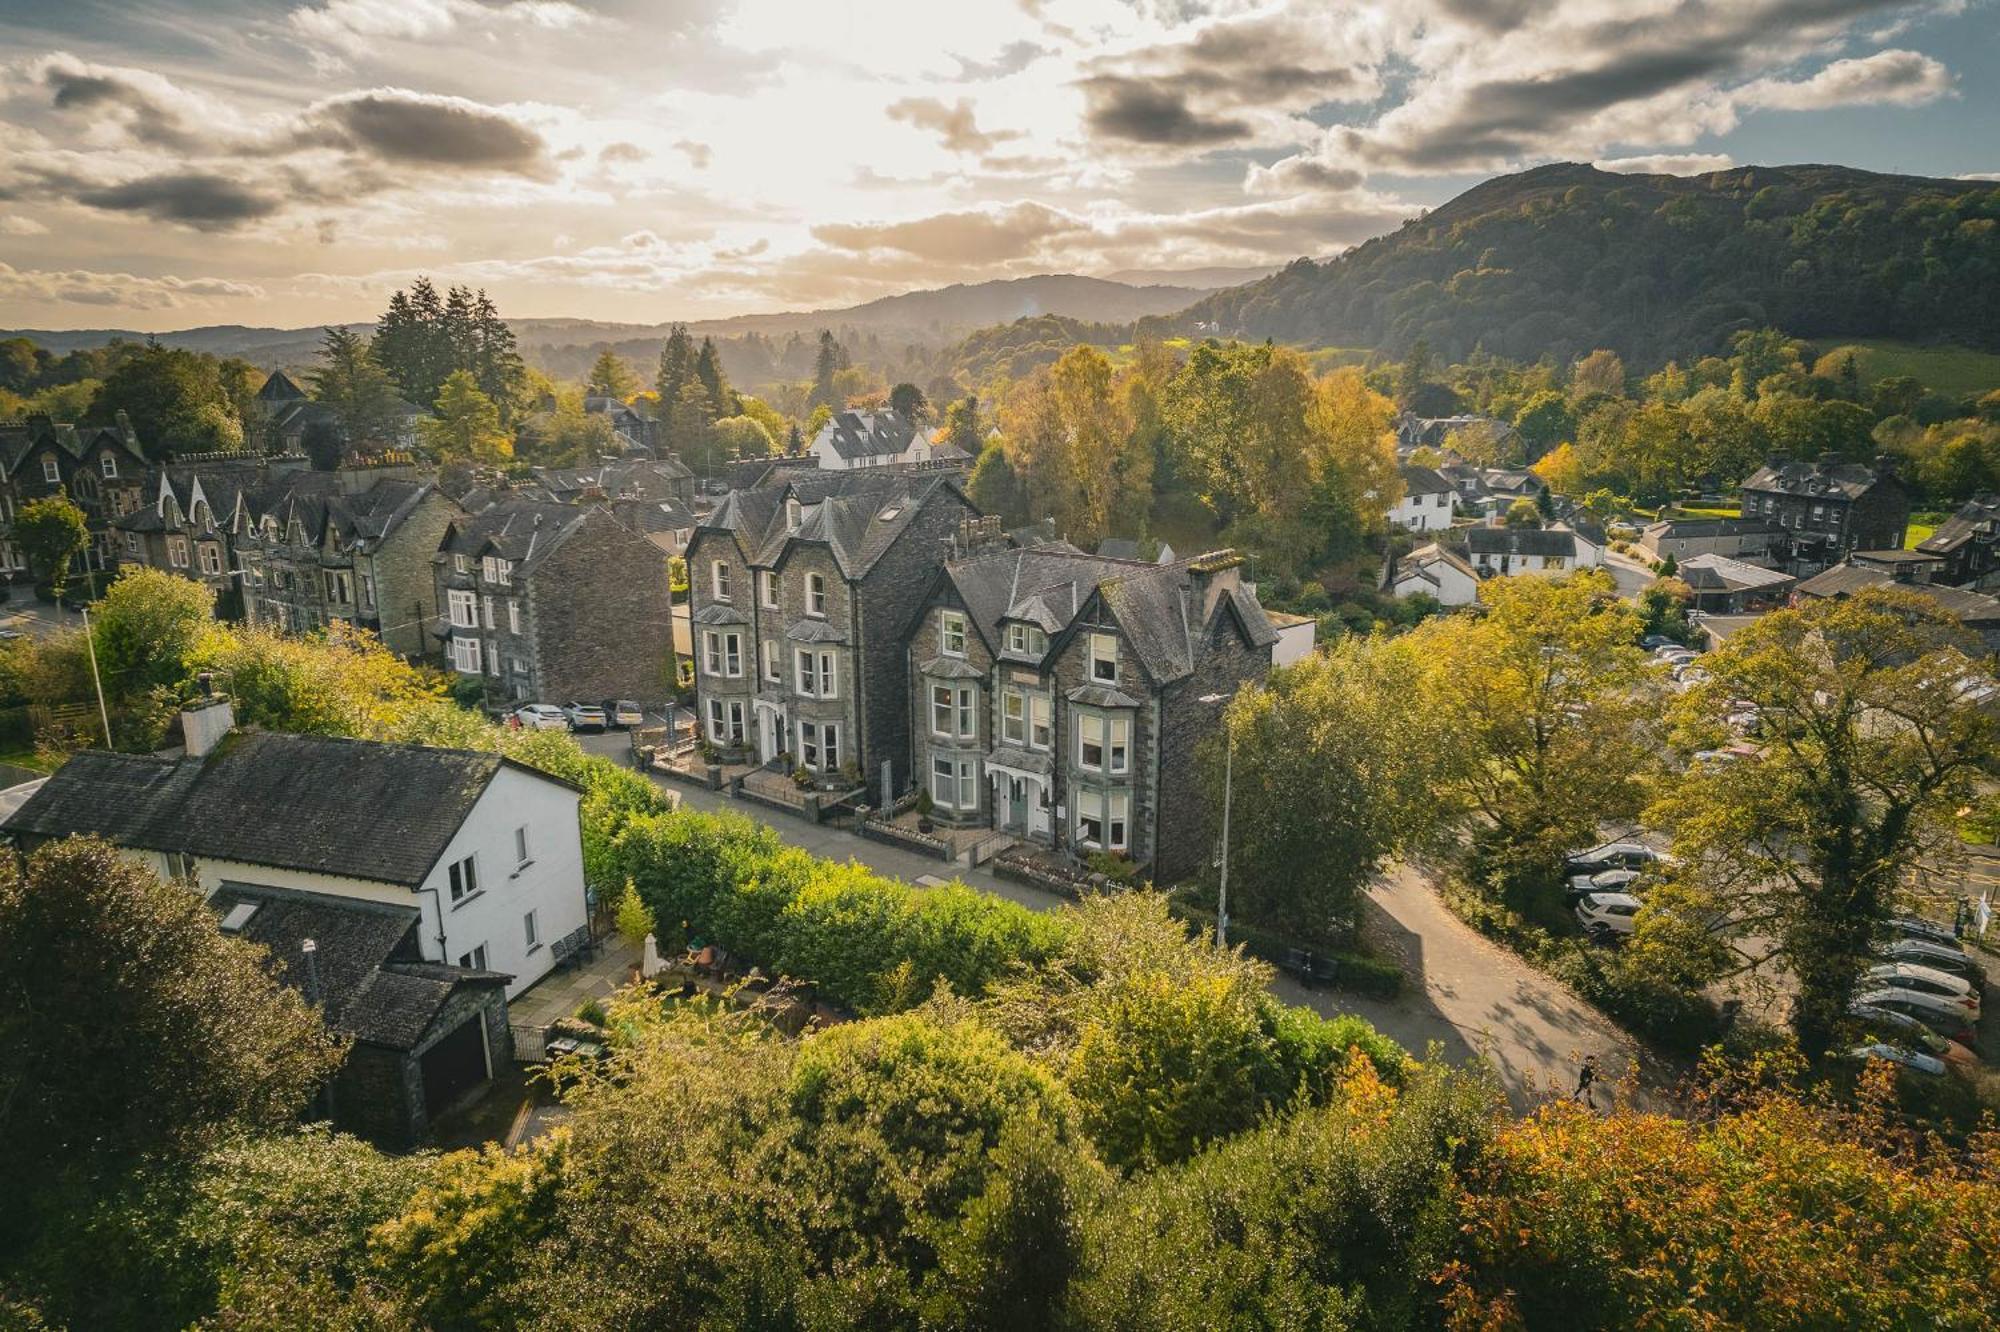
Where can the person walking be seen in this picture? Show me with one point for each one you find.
(1586, 1078)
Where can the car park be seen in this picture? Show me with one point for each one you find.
(1604, 881)
(1914, 1060)
(1916, 927)
(623, 713)
(1941, 1015)
(1872, 1023)
(1948, 958)
(1608, 913)
(1923, 980)
(584, 716)
(541, 717)
(1614, 855)
(1658, 642)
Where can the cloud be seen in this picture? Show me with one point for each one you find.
(1887, 78)
(956, 127)
(356, 26)
(1142, 111)
(83, 287)
(1013, 58)
(622, 152)
(699, 155)
(1667, 164)
(201, 200)
(149, 109)
(970, 237)
(397, 125)
(13, 224)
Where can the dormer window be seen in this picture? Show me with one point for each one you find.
(951, 634)
(1104, 658)
(51, 470)
(109, 466)
(1026, 640)
(794, 515)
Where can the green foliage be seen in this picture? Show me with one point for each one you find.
(996, 487)
(610, 377)
(353, 384)
(177, 401)
(52, 532)
(423, 339)
(466, 426)
(152, 628)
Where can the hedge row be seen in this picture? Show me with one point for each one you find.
(1360, 973)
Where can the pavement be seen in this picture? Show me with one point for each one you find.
(1631, 576)
(25, 615)
(1464, 994)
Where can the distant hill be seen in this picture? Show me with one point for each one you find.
(934, 318)
(1566, 258)
(1212, 279)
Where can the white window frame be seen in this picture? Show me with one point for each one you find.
(1111, 811)
(466, 655)
(955, 782)
(505, 571)
(815, 673)
(367, 585)
(951, 633)
(107, 464)
(531, 931)
(177, 550)
(1026, 640)
(513, 615)
(487, 569)
(1041, 721)
(474, 960)
(51, 469)
(1090, 734)
(718, 579)
(1103, 654)
(774, 668)
(954, 712)
(767, 589)
(1118, 744)
(1014, 717)
(459, 563)
(726, 721)
(486, 608)
(816, 595)
(463, 608)
(462, 879)
(211, 558)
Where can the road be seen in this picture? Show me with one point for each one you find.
(1631, 576)
(25, 615)
(1464, 994)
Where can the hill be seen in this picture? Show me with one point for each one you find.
(1565, 258)
(1957, 373)
(930, 318)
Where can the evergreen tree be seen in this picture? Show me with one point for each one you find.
(677, 371)
(708, 370)
(609, 378)
(357, 389)
(467, 424)
(830, 361)
(496, 362)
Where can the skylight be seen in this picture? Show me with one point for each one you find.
(234, 919)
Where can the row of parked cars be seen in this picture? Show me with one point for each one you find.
(1919, 1002)
(621, 713)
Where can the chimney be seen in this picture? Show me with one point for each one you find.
(1827, 462)
(207, 719)
(1213, 574)
(1885, 464)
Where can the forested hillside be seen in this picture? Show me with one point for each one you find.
(1564, 259)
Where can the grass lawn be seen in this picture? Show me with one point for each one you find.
(1712, 513)
(1956, 372)
(1918, 532)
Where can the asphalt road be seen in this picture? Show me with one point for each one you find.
(1464, 995)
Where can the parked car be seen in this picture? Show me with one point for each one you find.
(584, 716)
(1896, 1054)
(542, 717)
(1916, 927)
(1614, 855)
(1604, 881)
(1868, 1022)
(1939, 1014)
(1948, 958)
(623, 713)
(1904, 976)
(1608, 913)
(1655, 642)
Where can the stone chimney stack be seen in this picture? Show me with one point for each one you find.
(1212, 575)
(206, 720)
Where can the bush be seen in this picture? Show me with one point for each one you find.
(1357, 971)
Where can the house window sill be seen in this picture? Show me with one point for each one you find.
(532, 951)
(469, 897)
(521, 869)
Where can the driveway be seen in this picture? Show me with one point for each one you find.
(1464, 994)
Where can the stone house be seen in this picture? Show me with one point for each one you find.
(443, 879)
(554, 602)
(193, 512)
(1979, 613)
(801, 596)
(651, 479)
(1736, 538)
(1968, 544)
(101, 468)
(1723, 586)
(1828, 509)
(357, 545)
(1058, 696)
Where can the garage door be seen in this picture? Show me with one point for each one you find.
(454, 1065)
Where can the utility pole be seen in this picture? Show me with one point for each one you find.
(103, 713)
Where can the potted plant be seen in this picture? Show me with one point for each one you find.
(802, 778)
(924, 807)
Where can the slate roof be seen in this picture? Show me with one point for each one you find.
(20, 438)
(278, 387)
(1423, 557)
(1682, 529)
(352, 808)
(615, 477)
(371, 978)
(1719, 573)
(866, 434)
(1545, 542)
(1842, 481)
(1118, 548)
(1845, 580)
(515, 529)
(855, 515)
(1979, 516)
(1424, 481)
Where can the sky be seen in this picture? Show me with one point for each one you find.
(169, 163)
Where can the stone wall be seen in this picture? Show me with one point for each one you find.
(406, 598)
(597, 608)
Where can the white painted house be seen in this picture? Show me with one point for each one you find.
(1428, 501)
(1436, 571)
(1499, 550)
(853, 440)
(488, 851)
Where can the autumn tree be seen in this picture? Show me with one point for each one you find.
(1561, 470)
(1542, 694)
(1071, 442)
(466, 424)
(52, 532)
(1872, 732)
(565, 434)
(1352, 461)
(1239, 419)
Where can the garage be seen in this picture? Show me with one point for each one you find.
(454, 1066)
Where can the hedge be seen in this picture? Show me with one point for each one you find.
(1358, 972)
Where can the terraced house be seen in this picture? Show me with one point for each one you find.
(554, 602)
(802, 595)
(1059, 696)
(194, 510)
(101, 469)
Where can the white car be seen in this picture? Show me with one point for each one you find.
(1614, 855)
(1896, 1054)
(1608, 913)
(1604, 881)
(1924, 980)
(1944, 1016)
(542, 717)
(1948, 958)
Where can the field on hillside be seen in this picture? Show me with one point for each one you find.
(1955, 372)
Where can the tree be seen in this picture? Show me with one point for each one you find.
(908, 402)
(566, 435)
(413, 343)
(466, 424)
(1561, 470)
(1871, 739)
(1334, 759)
(52, 532)
(360, 393)
(1543, 422)
(1238, 419)
(1600, 373)
(150, 629)
(708, 371)
(493, 358)
(1070, 435)
(996, 487)
(611, 378)
(188, 1036)
(1352, 461)
(1663, 607)
(1542, 695)
(175, 400)
(1524, 512)
(1414, 375)
(743, 437)
(962, 427)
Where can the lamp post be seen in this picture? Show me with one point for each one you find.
(1228, 782)
(97, 681)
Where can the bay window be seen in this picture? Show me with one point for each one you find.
(722, 654)
(464, 610)
(955, 783)
(954, 712)
(725, 721)
(1102, 819)
(816, 674)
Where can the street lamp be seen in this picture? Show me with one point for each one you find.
(1228, 781)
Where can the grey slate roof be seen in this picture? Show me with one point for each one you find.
(1424, 481)
(1719, 573)
(1419, 561)
(353, 808)
(1979, 516)
(855, 515)
(1844, 580)
(515, 529)
(1682, 529)
(1843, 481)
(372, 981)
(866, 434)
(278, 387)
(1118, 548)
(1521, 541)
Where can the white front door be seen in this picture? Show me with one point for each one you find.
(770, 733)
